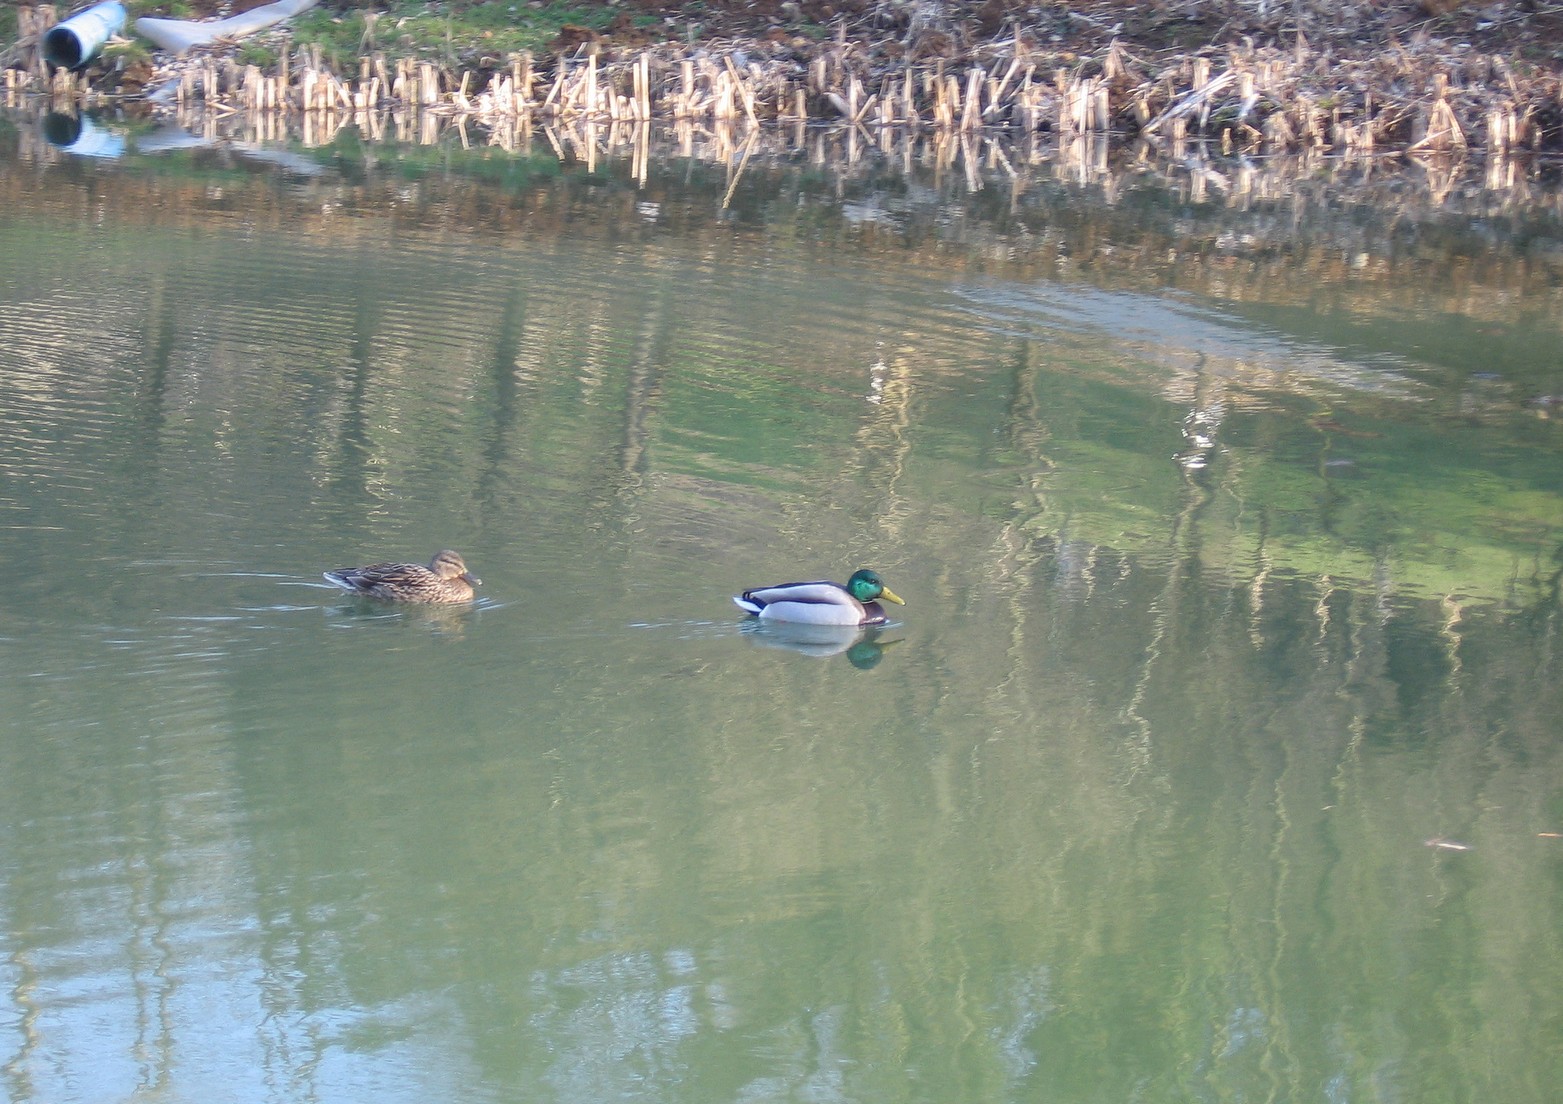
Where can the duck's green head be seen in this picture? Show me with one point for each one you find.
(867, 586)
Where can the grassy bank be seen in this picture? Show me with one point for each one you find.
(1427, 76)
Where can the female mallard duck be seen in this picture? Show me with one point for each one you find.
(857, 603)
(446, 579)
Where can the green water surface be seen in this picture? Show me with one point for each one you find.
(1215, 755)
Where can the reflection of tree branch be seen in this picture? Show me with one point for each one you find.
(162, 329)
(1024, 547)
(643, 388)
(1164, 607)
(506, 407)
(1449, 630)
(1185, 539)
(883, 437)
(1553, 584)
(351, 471)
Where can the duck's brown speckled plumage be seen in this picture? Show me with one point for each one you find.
(445, 579)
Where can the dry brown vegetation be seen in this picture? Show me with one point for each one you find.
(1252, 75)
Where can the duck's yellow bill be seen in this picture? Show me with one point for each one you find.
(891, 596)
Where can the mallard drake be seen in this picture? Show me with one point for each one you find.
(856, 603)
(446, 579)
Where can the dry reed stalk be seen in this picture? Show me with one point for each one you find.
(496, 99)
(1443, 130)
(555, 91)
(684, 107)
(1278, 132)
(1439, 128)
(1196, 99)
(1115, 66)
(946, 100)
(521, 76)
(745, 94)
(1246, 94)
(996, 92)
(1316, 124)
(1142, 107)
(643, 86)
(970, 114)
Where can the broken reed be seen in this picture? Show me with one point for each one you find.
(1262, 101)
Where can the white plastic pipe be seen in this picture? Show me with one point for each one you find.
(73, 42)
(178, 35)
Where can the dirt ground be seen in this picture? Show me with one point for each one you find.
(925, 28)
(1528, 31)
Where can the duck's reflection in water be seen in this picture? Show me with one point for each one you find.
(863, 646)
